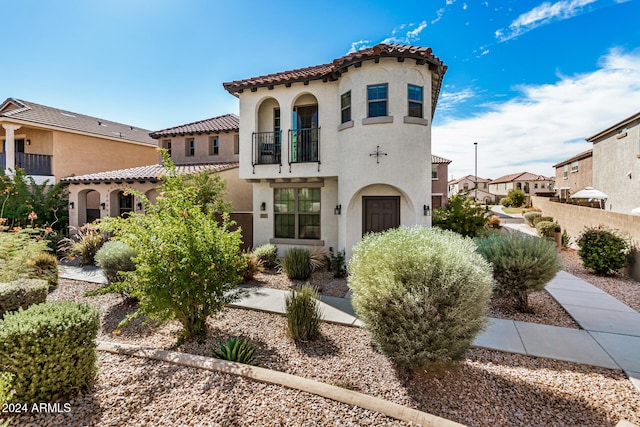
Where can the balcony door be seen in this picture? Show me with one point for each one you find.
(304, 144)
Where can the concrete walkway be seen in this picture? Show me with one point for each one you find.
(609, 338)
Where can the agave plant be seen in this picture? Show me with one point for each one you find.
(237, 349)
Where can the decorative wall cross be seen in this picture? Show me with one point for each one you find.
(377, 153)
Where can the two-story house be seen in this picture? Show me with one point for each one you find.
(208, 145)
(50, 144)
(574, 174)
(338, 150)
(616, 164)
(530, 183)
(439, 187)
(467, 184)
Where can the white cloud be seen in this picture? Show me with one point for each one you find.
(360, 44)
(448, 100)
(450, 2)
(439, 14)
(540, 127)
(542, 15)
(409, 36)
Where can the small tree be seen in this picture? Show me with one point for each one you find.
(603, 250)
(516, 198)
(188, 264)
(461, 215)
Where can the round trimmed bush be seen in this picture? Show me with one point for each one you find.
(423, 293)
(530, 217)
(268, 254)
(50, 348)
(22, 293)
(603, 250)
(115, 257)
(547, 229)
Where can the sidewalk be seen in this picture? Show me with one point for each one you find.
(609, 338)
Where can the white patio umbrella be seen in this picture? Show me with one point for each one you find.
(589, 193)
(635, 211)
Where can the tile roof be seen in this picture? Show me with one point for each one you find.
(470, 178)
(147, 173)
(520, 176)
(333, 71)
(438, 159)
(225, 123)
(20, 111)
(583, 155)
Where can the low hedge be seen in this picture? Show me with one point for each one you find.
(22, 293)
(50, 348)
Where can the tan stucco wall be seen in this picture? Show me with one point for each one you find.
(41, 141)
(440, 186)
(225, 140)
(576, 180)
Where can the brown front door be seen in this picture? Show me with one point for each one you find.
(380, 213)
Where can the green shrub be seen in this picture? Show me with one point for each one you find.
(84, 244)
(337, 264)
(547, 229)
(6, 387)
(504, 202)
(521, 264)
(45, 266)
(188, 262)
(423, 293)
(115, 257)
(17, 252)
(603, 250)
(236, 349)
(461, 215)
(267, 254)
(296, 264)
(50, 348)
(530, 217)
(515, 198)
(566, 239)
(253, 267)
(540, 218)
(22, 293)
(303, 314)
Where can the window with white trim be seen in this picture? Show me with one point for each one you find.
(345, 107)
(574, 166)
(377, 100)
(414, 95)
(434, 171)
(565, 172)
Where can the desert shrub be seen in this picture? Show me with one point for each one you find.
(516, 198)
(84, 244)
(56, 346)
(337, 263)
(267, 254)
(546, 229)
(530, 217)
(493, 221)
(540, 218)
(318, 257)
(188, 262)
(296, 264)
(504, 202)
(603, 250)
(303, 314)
(253, 266)
(521, 264)
(566, 239)
(22, 293)
(17, 252)
(45, 266)
(423, 293)
(115, 257)
(461, 215)
(6, 388)
(236, 349)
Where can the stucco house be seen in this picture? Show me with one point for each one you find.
(530, 183)
(467, 184)
(206, 145)
(439, 188)
(51, 144)
(341, 149)
(574, 174)
(616, 164)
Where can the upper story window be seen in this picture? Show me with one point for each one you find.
(377, 100)
(434, 171)
(345, 106)
(414, 94)
(236, 144)
(574, 166)
(565, 172)
(214, 146)
(166, 144)
(189, 147)
(465, 186)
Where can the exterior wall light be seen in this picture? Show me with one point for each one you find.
(139, 206)
(426, 210)
(71, 205)
(263, 206)
(103, 206)
(337, 210)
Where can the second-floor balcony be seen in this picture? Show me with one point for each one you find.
(33, 164)
(267, 148)
(304, 145)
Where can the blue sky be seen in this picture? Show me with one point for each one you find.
(527, 80)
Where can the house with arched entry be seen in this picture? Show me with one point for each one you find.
(208, 145)
(338, 150)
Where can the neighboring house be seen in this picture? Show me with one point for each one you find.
(530, 183)
(439, 172)
(207, 145)
(468, 184)
(338, 150)
(51, 144)
(574, 174)
(616, 164)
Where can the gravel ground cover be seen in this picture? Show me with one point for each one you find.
(488, 388)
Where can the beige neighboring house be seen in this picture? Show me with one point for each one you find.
(50, 144)
(530, 183)
(616, 164)
(338, 150)
(207, 145)
(468, 184)
(439, 172)
(574, 174)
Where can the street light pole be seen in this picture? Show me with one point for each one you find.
(475, 177)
